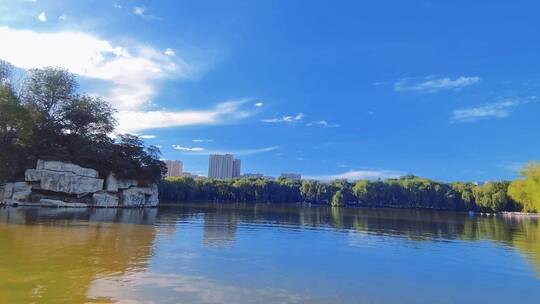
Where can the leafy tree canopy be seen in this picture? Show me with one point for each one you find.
(50, 119)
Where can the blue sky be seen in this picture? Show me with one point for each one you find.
(357, 89)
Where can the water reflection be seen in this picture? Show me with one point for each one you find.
(220, 228)
(190, 289)
(221, 221)
(54, 255)
(114, 255)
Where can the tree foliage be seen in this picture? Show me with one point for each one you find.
(526, 191)
(404, 192)
(49, 119)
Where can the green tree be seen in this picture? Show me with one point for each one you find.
(48, 91)
(492, 196)
(15, 128)
(49, 119)
(526, 191)
(338, 199)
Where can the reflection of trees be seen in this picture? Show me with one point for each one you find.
(527, 239)
(55, 255)
(56, 262)
(219, 227)
(522, 233)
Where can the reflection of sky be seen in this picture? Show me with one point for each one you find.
(272, 264)
(239, 256)
(147, 287)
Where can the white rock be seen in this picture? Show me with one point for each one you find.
(8, 191)
(68, 178)
(111, 183)
(56, 181)
(33, 175)
(153, 199)
(104, 199)
(66, 167)
(19, 191)
(21, 196)
(127, 183)
(45, 202)
(133, 197)
(21, 186)
(81, 185)
(66, 182)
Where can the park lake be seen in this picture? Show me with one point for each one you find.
(255, 253)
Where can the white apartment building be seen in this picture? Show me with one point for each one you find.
(223, 166)
(174, 168)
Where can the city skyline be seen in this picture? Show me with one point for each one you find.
(331, 90)
(175, 168)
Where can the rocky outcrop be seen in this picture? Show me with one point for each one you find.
(61, 184)
(105, 199)
(64, 182)
(46, 202)
(111, 183)
(66, 167)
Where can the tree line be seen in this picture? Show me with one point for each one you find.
(405, 192)
(44, 116)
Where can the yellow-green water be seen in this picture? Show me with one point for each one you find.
(204, 253)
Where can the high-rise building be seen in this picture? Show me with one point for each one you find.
(224, 166)
(291, 176)
(221, 166)
(174, 168)
(236, 168)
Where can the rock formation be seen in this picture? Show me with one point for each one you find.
(60, 184)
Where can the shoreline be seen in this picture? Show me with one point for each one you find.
(516, 214)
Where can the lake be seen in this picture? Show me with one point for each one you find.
(251, 253)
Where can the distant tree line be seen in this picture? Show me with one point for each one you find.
(43, 116)
(404, 192)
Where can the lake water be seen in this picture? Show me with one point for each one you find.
(204, 253)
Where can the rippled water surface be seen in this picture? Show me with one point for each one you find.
(204, 253)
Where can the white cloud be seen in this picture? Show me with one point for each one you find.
(139, 10)
(259, 104)
(248, 151)
(129, 75)
(33, 1)
(359, 175)
(135, 121)
(42, 17)
(116, 5)
(202, 140)
(202, 151)
(169, 52)
(147, 136)
(432, 85)
(62, 17)
(142, 12)
(322, 123)
(494, 110)
(286, 119)
(180, 148)
(131, 72)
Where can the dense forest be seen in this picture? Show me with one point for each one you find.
(43, 116)
(404, 192)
